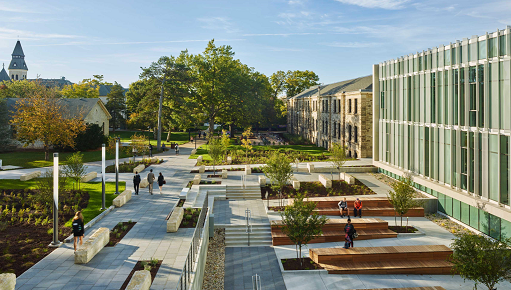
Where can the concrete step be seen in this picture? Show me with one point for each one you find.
(245, 244)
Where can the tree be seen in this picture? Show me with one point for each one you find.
(74, 168)
(116, 105)
(292, 82)
(138, 144)
(43, 118)
(338, 158)
(401, 197)
(226, 142)
(45, 186)
(301, 224)
(216, 150)
(482, 259)
(5, 132)
(22, 89)
(87, 88)
(245, 142)
(278, 169)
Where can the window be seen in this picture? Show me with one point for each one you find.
(472, 96)
(14, 64)
(504, 169)
(502, 43)
(447, 57)
(492, 47)
(349, 133)
(349, 106)
(482, 49)
(356, 134)
(16, 77)
(480, 81)
(472, 51)
(356, 106)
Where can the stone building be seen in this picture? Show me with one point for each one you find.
(335, 113)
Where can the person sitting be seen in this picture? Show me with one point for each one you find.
(343, 206)
(349, 231)
(358, 208)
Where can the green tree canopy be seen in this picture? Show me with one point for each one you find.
(87, 88)
(402, 196)
(116, 105)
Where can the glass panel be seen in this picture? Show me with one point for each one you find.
(447, 57)
(455, 96)
(482, 49)
(480, 80)
(494, 95)
(505, 94)
(462, 97)
(472, 51)
(441, 203)
(474, 217)
(505, 229)
(484, 222)
(504, 169)
(494, 227)
(448, 205)
(502, 42)
(492, 49)
(456, 209)
(465, 213)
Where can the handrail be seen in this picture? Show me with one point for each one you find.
(199, 234)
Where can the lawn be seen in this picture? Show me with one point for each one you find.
(175, 137)
(93, 188)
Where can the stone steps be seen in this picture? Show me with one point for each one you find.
(236, 236)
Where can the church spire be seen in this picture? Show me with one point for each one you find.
(18, 67)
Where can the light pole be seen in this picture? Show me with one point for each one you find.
(55, 243)
(117, 165)
(158, 143)
(103, 177)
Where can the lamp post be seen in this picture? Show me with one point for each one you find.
(55, 243)
(117, 165)
(103, 176)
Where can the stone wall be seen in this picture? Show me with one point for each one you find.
(98, 116)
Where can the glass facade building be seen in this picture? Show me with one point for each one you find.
(444, 115)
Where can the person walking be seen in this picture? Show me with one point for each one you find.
(136, 182)
(150, 150)
(150, 180)
(161, 181)
(177, 149)
(349, 231)
(343, 206)
(358, 208)
(78, 228)
(163, 147)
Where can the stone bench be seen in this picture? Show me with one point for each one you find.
(199, 159)
(327, 182)
(89, 176)
(224, 173)
(248, 170)
(175, 220)
(229, 160)
(144, 183)
(196, 179)
(7, 281)
(92, 246)
(184, 193)
(141, 280)
(139, 168)
(348, 178)
(193, 152)
(295, 183)
(122, 198)
(31, 175)
(310, 167)
(262, 180)
(153, 159)
(202, 169)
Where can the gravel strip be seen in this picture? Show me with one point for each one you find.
(389, 181)
(447, 223)
(215, 263)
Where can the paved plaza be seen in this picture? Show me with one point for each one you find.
(233, 212)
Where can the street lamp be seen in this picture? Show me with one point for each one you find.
(117, 141)
(103, 176)
(55, 243)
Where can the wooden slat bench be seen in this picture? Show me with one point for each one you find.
(425, 259)
(333, 231)
(408, 288)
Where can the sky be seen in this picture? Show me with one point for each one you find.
(337, 39)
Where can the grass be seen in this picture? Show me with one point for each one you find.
(93, 188)
(175, 137)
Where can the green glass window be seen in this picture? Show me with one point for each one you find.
(441, 203)
(505, 229)
(465, 213)
(462, 97)
(456, 209)
(472, 79)
(433, 98)
(492, 47)
(420, 63)
(447, 156)
(447, 57)
(494, 95)
(482, 49)
(460, 54)
(504, 94)
(455, 96)
(434, 59)
(448, 205)
(494, 227)
(502, 42)
(504, 169)
(454, 56)
(480, 81)
(439, 96)
(474, 217)
(484, 222)
(440, 58)
(493, 173)
(472, 51)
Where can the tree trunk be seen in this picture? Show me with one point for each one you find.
(211, 126)
(401, 220)
(46, 152)
(230, 131)
(168, 134)
(301, 264)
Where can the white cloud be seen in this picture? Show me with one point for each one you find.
(383, 4)
(296, 2)
(282, 34)
(218, 23)
(352, 44)
(6, 33)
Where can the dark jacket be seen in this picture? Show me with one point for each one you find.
(78, 229)
(160, 180)
(349, 229)
(136, 179)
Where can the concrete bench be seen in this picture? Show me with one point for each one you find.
(139, 168)
(7, 281)
(196, 179)
(224, 173)
(154, 159)
(194, 151)
(348, 178)
(92, 246)
(184, 193)
(262, 180)
(202, 169)
(31, 175)
(89, 176)
(199, 159)
(144, 183)
(175, 220)
(141, 280)
(310, 167)
(248, 170)
(229, 160)
(122, 198)
(295, 183)
(327, 182)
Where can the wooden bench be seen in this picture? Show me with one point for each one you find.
(408, 288)
(141, 280)
(122, 198)
(333, 231)
(92, 246)
(423, 259)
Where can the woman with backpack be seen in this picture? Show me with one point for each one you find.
(78, 229)
(161, 181)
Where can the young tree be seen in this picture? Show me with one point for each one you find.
(226, 142)
(278, 169)
(402, 196)
(45, 186)
(301, 224)
(74, 168)
(138, 144)
(116, 105)
(482, 259)
(338, 158)
(245, 142)
(216, 150)
(43, 118)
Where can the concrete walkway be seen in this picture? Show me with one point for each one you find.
(233, 212)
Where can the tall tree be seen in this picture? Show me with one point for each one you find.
(44, 118)
(87, 88)
(291, 83)
(5, 132)
(116, 105)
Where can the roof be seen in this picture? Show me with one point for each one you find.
(18, 58)
(52, 82)
(361, 83)
(74, 106)
(18, 50)
(104, 90)
(4, 76)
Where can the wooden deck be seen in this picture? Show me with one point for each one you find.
(427, 259)
(409, 288)
(333, 231)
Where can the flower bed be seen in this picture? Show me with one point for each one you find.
(316, 189)
(127, 167)
(214, 176)
(294, 264)
(26, 225)
(447, 224)
(119, 231)
(254, 170)
(152, 266)
(190, 218)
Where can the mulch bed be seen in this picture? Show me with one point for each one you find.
(403, 229)
(254, 170)
(190, 218)
(181, 202)
(127, 167)
(316, 189)
(277, 208)
(294, 264)
(210, 182)
(23, 244)
(212, 176)
(139, 267)
(118, 232)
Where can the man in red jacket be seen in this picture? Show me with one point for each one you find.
(358, 208)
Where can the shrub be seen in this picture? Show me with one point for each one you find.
(90, 139)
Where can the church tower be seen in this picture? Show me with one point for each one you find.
(18, 68)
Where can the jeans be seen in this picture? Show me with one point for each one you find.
(137, 186)
(151, 188)
(355, 210)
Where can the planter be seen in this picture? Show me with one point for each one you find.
(119, 231)
(139, 267)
